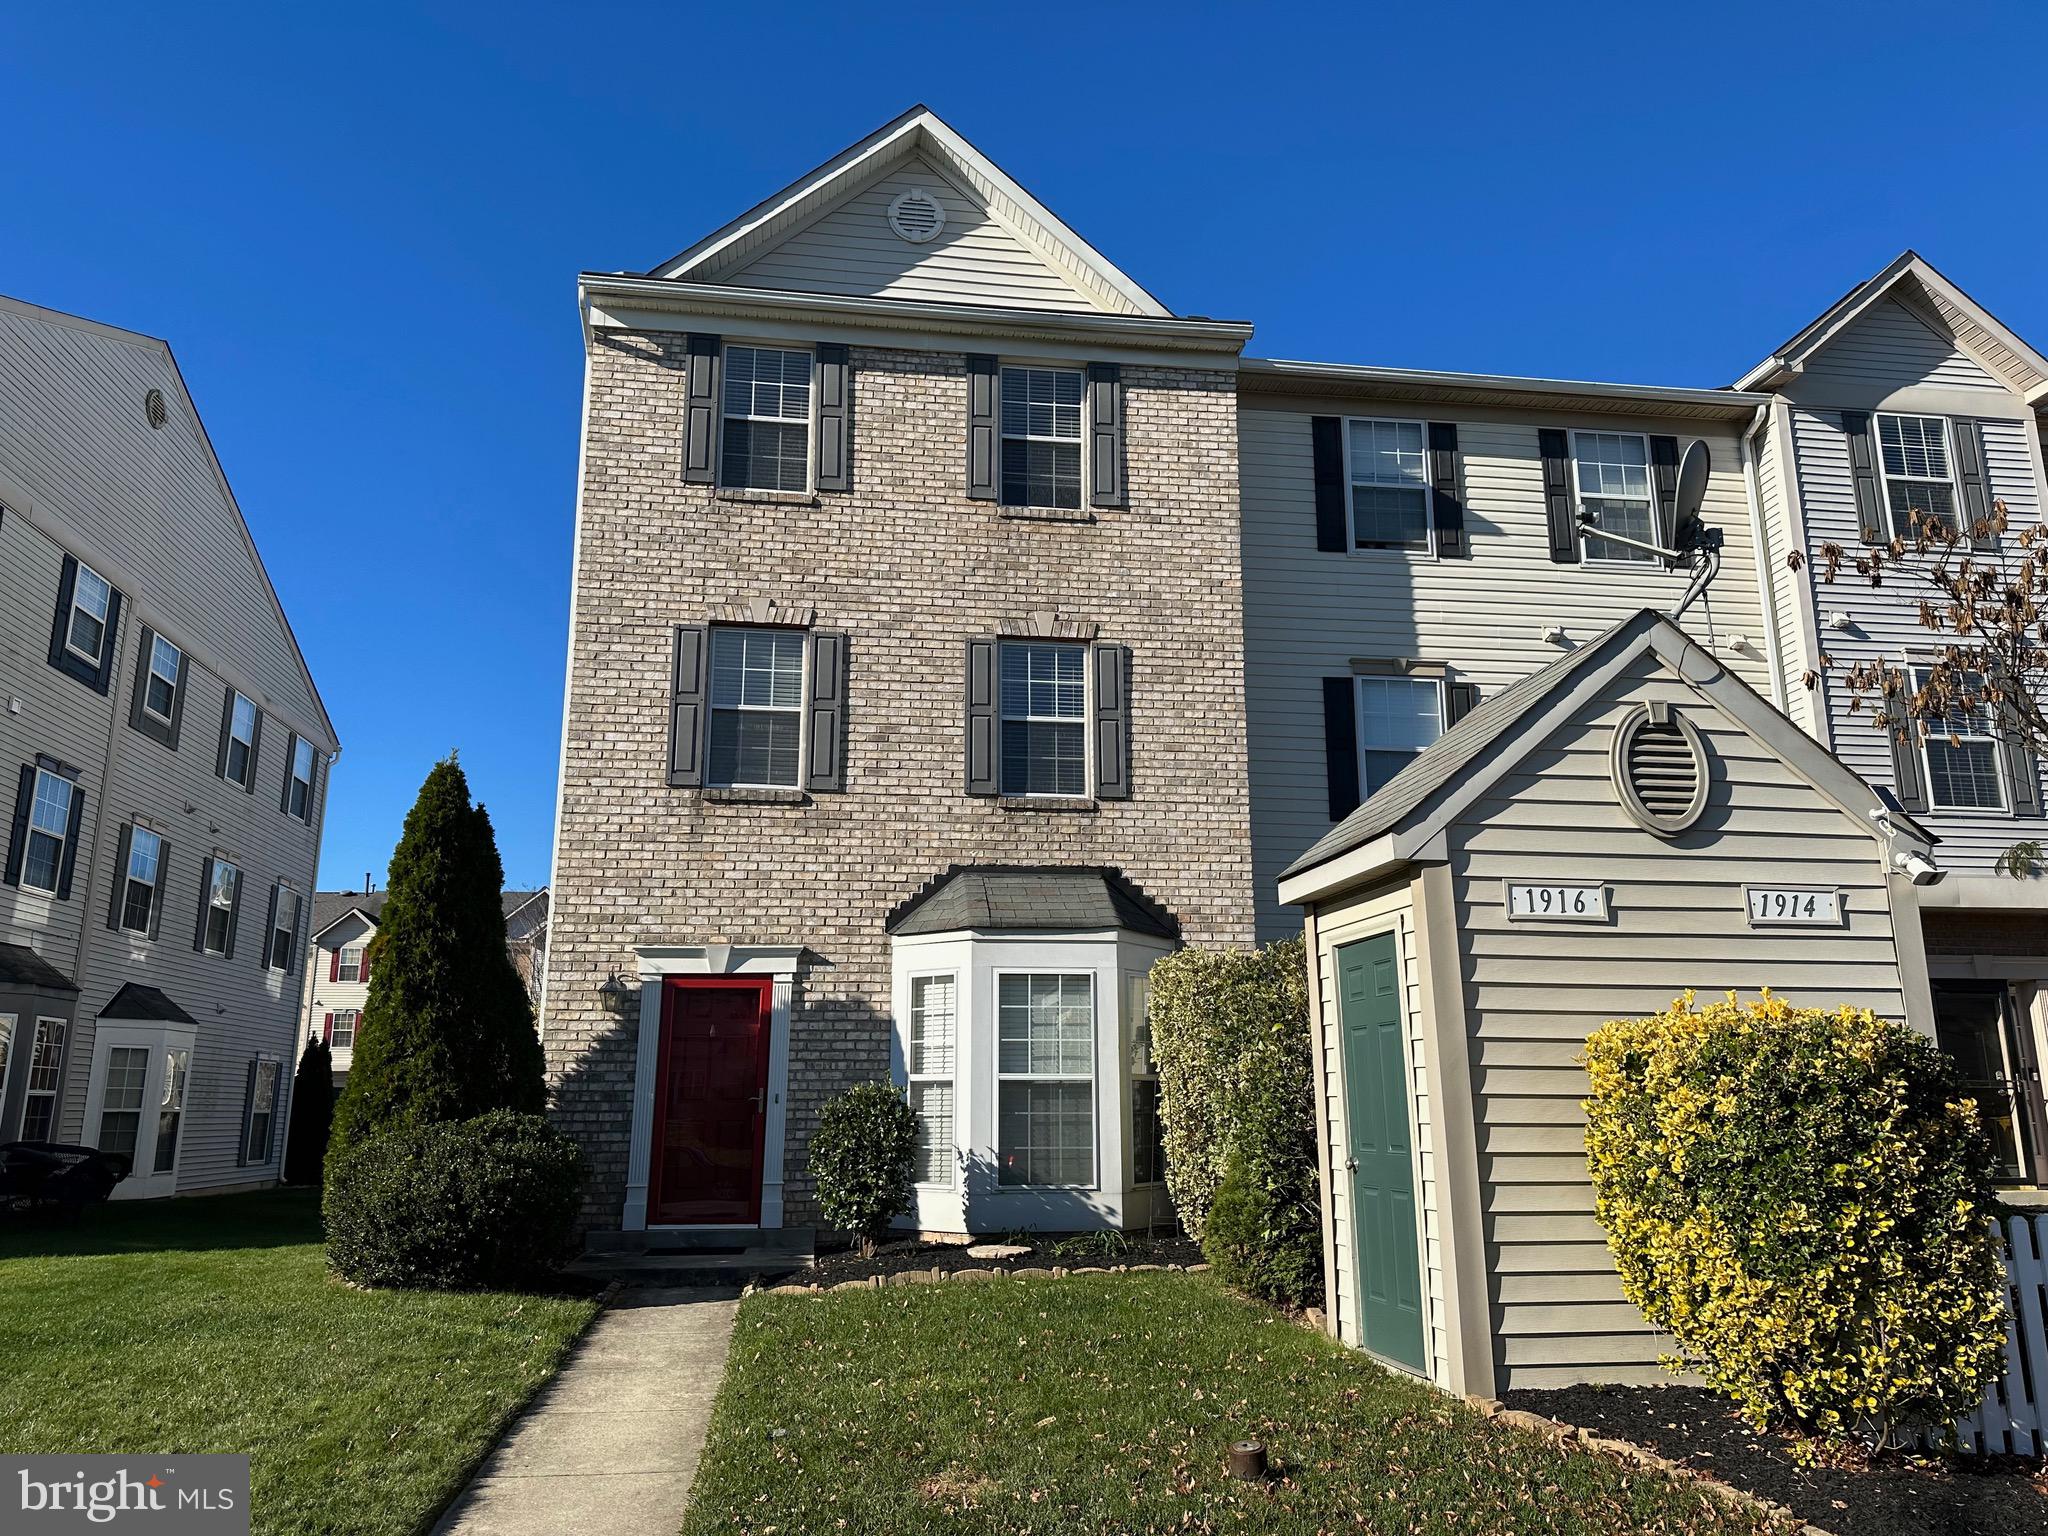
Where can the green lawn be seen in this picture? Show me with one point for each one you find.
(212, 1325)
(1107, 1404)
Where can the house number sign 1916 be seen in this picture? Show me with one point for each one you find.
(1558, 903)
(1803, 905)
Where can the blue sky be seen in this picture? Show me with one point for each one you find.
(360, 228)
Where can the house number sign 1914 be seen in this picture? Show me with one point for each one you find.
(1558, 903)
(1799, 905)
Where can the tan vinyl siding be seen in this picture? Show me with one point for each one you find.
(1775, 509)
(1891, 348)
(1886, 623)
(1533, 992)
(324, 996)
(973, 260)
(1308, 613)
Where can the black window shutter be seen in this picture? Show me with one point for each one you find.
(17, 838)
(1909, 780)
(981, 427)
(205, 904)
(700, 410)
(137, 721)
(270, 929)
(687, 706)
(67, 586)
(298, 939)
(235, 912)
(1326, 438)
(255, 747)
(104, 679)
(1555, 445)
(1976, 508)
(71, 838)
(826, 771)
(291, 759)
(1447, 489)
(1460, 699)
(1105, 435)
(2022, 771)
(981, 717)
(1340, 744)
(248, 1116)
(163, 880)
(1870, 513)
(835, 397)
(227, 724)
(1664, 478)
(116, 902)
(1112, 722)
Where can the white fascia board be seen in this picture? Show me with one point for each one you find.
(344, 917)
(1734, 402)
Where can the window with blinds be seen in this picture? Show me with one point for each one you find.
(767, 427)
(757, 695)
(934, 1021)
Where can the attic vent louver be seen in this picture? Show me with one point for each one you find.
(153, 410)
(1660, 769)
(917, 216)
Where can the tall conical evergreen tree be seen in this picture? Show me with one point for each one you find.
(305, 1142)
(447, 1032)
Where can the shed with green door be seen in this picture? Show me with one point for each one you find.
(1628, 823)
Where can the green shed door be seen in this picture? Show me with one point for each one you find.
(1388, 1280)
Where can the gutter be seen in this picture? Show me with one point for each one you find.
(1258, 370)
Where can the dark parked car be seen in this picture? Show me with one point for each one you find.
(52, 1176)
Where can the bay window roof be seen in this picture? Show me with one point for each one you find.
(1031, 899)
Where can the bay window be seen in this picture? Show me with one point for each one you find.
(45, 1072)
(934, 1017)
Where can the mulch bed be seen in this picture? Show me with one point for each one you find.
(1917, 1496)
(843, 1262)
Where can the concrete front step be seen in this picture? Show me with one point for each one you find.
(696, 1257)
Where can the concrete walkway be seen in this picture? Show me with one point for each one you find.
(611, 1444)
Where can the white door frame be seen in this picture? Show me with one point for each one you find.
(159, 1039)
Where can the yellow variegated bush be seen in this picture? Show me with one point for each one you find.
(1804, 1200)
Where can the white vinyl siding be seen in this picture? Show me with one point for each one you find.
(934, 1025)
(757, 695)
(1045, 1066)
(1041, 437)
(1044, 702)
(767, 419)
(1888, 348)
(1612, 473)
(1387, 480)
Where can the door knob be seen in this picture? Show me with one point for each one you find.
(1351, 1165)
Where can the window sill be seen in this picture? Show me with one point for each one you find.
(756, 797)
(1045, 515)
(772, 498)
(1069, 804)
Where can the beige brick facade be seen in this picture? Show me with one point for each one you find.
(909, 568)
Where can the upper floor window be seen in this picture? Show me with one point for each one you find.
(298, 792)
(341, 1027)
(160, 687)
(1389, 484)
(238, 753)
(1919, 475)
(348, 963)
(767, 442)
(283, 940)
(1961, 753)
(1397, 718)
(757, 695)
(217, 920)
(1041, 433)
(49, 830)
(1044, 701)
(141, 880)
(85, 633)
(1613, 473)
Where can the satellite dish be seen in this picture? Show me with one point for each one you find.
(1692, 490)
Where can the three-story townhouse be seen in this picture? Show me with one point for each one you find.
(166, 757)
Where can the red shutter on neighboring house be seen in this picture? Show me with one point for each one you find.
(334, 965)
(327, 1034)
(363, 967)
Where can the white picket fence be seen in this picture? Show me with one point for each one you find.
(2013, 1420)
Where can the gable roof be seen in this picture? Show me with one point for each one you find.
(1913, 281)
(79, 462)
(918, 134)
(1397, 824)
(1030, 899)
(330, 907)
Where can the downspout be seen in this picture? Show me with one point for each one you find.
(86, 925)
(1767, 576)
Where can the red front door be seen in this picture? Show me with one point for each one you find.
(711, 1102)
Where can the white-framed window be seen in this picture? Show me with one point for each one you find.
(767, 425)
(241, 745)
(284, 931)
(8, 1022)
(1148, 1149)
(1961, 754)
(85, 630)
(1612, 470)
(299, 796)
(141, 880)
(757, 696)
(1044, 707)
(343, 1035)
(121, 1087)
(1041, 437)
(1397, 718)
(170, 1114)
(934, 1025)
(221, 893)
(49, 831)
(45, 1073)
(261, 1112)
(1919, 473)
(1387, 471)
(1045, 1079)
(160, 687)
(348, 963)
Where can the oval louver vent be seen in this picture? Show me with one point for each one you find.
(1660, 769)
(916, 216)
(153, 409)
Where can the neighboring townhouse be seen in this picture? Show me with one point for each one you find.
(166, 760)
(1907, 394)
(955, 630)
(338, 960)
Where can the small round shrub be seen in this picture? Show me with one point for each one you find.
(862, 1156)
(1804, 1201)
(1263, 1241)
(482, 1204)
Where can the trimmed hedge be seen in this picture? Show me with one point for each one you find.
(862, 1156)
(1805, 1202)
(482, 1204)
